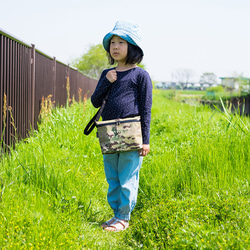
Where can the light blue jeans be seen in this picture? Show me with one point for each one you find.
(122, 174)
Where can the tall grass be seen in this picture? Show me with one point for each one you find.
(194, 184)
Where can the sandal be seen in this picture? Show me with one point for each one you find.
(118, 225)
(108, 223)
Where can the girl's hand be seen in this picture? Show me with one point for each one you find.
(145, 150)
(112, 75)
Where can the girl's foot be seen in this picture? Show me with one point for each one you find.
(108, 223)
(117, 225)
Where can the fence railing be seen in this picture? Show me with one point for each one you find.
(26, 76)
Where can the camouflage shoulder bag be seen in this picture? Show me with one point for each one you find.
(119, 135)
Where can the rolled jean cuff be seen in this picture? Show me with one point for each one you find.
(122, 216)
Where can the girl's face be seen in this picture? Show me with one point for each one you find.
(118, 49)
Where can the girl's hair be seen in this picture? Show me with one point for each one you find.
(135, 55)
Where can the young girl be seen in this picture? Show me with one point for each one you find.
(130, 96)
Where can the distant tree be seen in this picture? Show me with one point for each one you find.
(208, 78)
(183, 77)
(141, 65)
(94, 61)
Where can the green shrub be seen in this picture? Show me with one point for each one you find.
(215, 89)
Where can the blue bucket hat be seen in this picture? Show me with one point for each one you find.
(128, 31)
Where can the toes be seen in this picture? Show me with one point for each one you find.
(110, 229)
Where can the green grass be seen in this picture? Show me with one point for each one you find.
(180, 95)
(194, 185)
(211, 94)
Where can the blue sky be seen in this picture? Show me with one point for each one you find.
(199, 35)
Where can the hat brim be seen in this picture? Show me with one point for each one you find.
(119, 33)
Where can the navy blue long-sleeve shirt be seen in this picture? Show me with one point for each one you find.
(130, 95)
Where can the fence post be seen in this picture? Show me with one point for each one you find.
(1, 87)
(68, 83)
(33, 79)
(54, 79)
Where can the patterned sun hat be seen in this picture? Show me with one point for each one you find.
(128, 31)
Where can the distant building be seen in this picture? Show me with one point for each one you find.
(164, 85)
(235, 82)
(178, 85)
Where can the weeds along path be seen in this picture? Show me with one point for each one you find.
(194, 184)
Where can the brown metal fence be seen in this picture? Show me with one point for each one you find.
(26, 76)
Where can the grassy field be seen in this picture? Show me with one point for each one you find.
(194, 185)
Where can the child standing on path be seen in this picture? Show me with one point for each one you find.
(130, 96)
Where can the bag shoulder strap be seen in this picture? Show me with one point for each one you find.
(91, 125)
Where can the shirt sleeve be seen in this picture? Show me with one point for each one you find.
(101, 90)
(145, 105)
